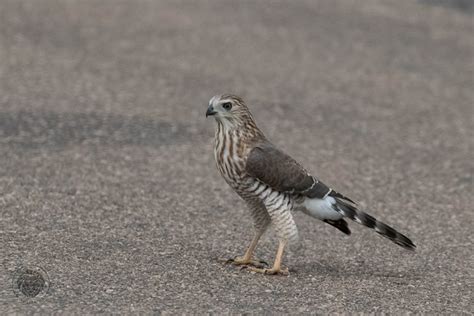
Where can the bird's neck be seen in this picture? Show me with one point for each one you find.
(245, 131)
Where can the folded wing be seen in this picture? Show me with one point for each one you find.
(282, 173)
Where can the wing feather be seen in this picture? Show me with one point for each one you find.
(282, 173)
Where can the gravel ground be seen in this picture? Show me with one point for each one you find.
(108, 188)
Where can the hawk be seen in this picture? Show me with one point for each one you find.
(273, 184)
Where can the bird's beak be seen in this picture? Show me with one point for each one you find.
(210, 111)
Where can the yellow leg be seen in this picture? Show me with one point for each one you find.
(276, 269)
(247, 258)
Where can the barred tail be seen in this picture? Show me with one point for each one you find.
(365, 219)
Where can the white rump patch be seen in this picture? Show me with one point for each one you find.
(321, 208)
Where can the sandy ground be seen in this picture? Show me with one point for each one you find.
(107, 178)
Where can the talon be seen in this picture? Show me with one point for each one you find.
(241, 261)
(272, 271)
(232, 260)
(235, 260)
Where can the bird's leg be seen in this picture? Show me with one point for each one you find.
(247, 258)
(276, 269)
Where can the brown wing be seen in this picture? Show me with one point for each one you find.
(282, 173)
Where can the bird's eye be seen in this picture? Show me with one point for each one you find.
(227, 106)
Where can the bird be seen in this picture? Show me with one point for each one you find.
(274, 185)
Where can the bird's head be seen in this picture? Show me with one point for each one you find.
(229, 110)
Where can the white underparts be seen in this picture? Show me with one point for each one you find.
(321, 208)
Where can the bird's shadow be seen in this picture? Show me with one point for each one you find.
(359, 269)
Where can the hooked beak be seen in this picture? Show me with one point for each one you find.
(210, 111)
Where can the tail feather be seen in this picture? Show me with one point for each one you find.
(339, 224)
(365, 219)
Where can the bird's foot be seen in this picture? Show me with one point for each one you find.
(242, 261)
(272, 271)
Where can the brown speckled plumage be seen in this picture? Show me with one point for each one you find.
(273, 184)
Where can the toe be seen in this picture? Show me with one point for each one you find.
(284, 271)
(235, 260)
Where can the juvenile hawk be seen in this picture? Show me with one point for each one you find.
(273, 184)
